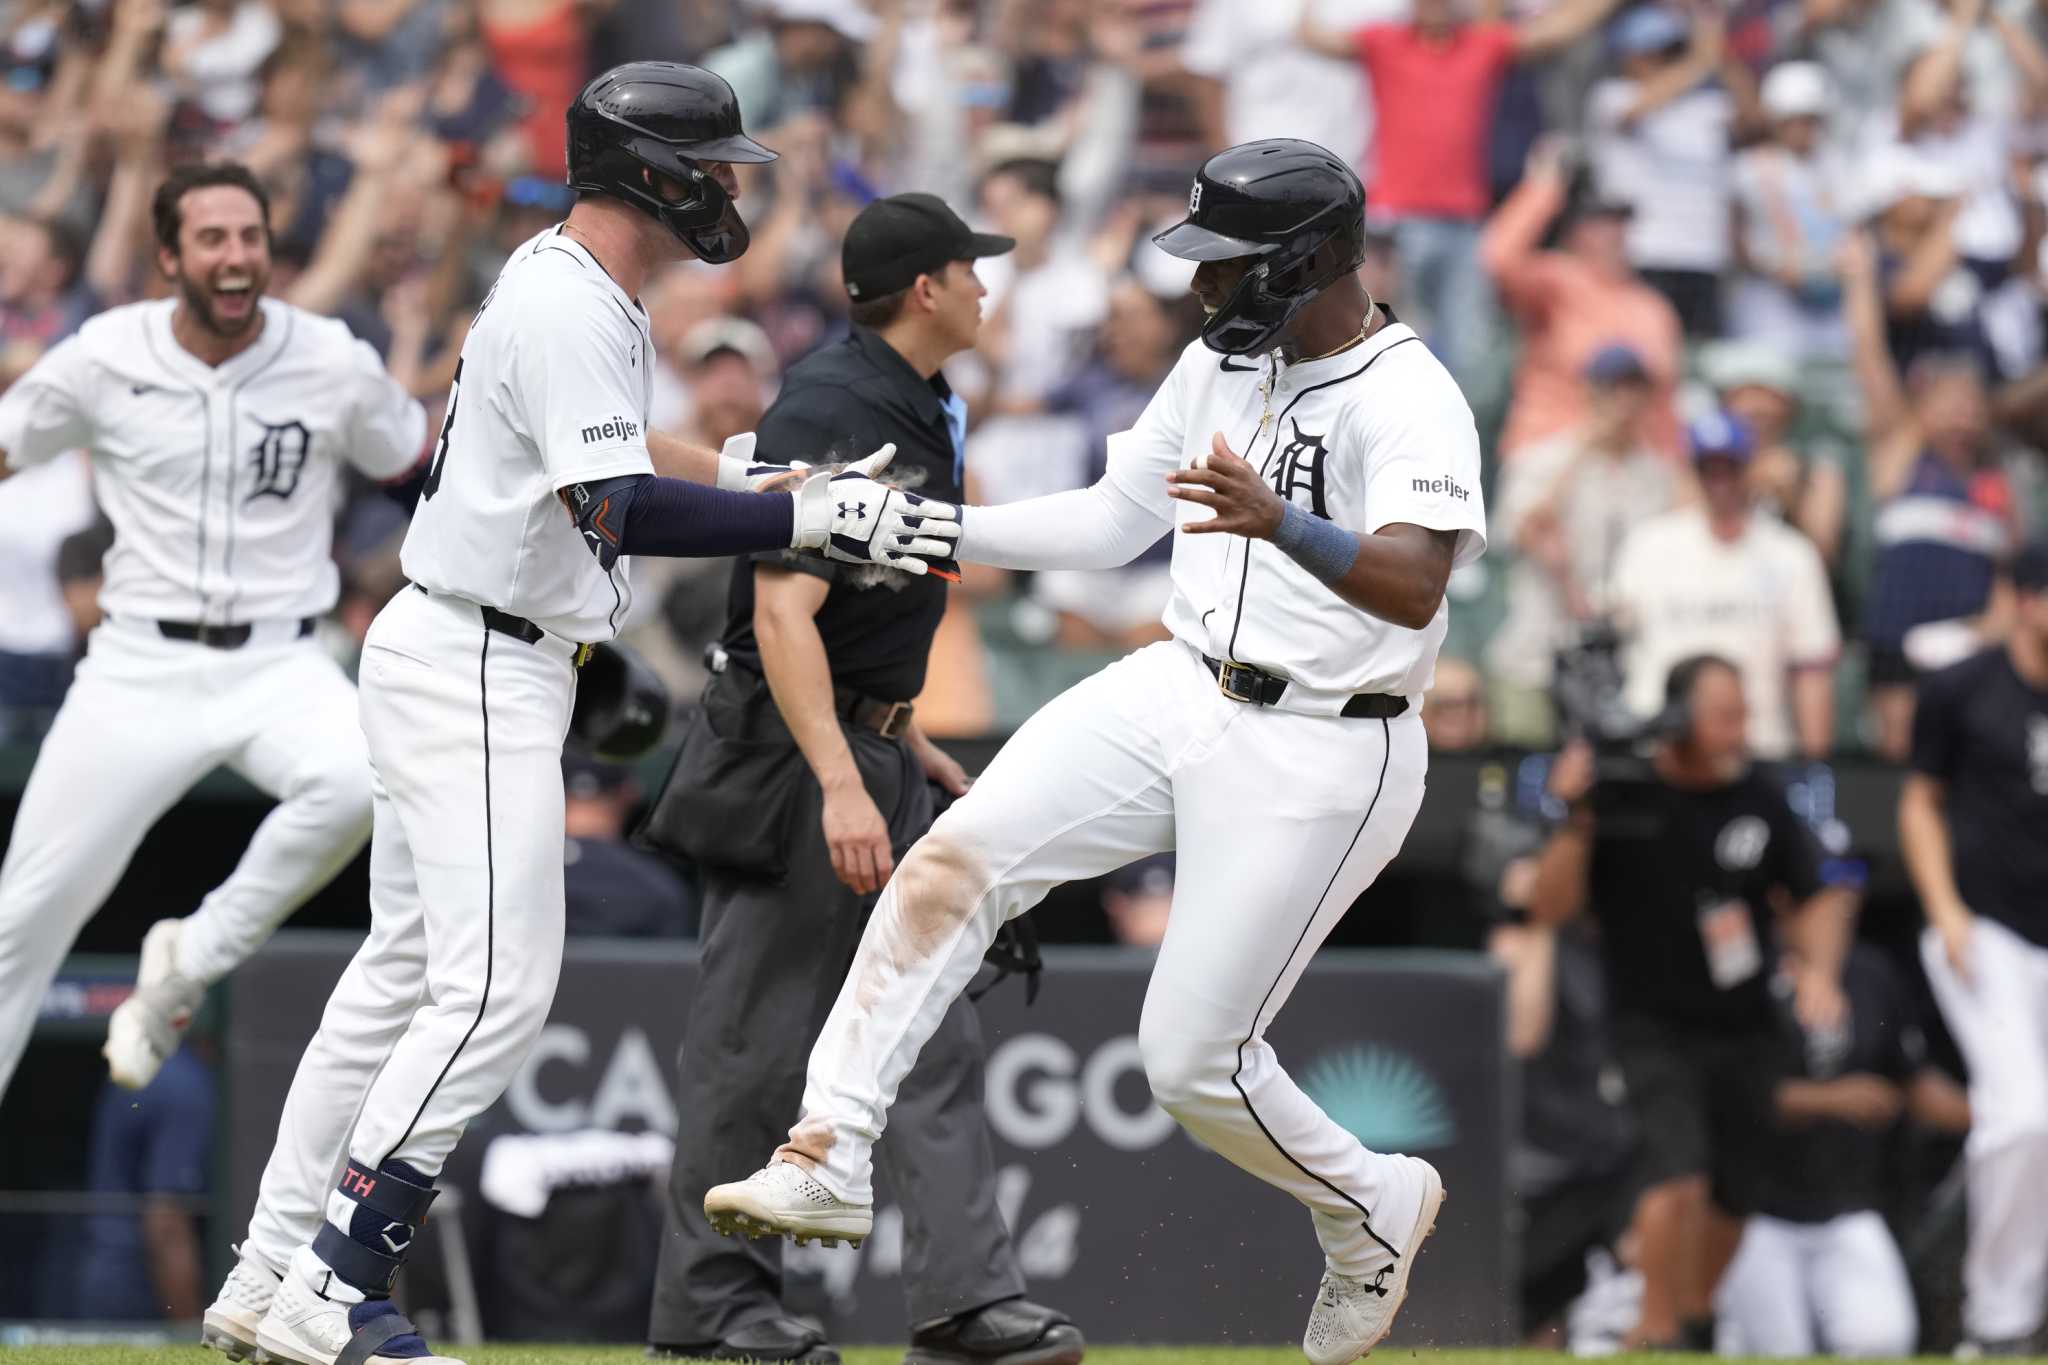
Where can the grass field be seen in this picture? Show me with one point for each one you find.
(621, 1355)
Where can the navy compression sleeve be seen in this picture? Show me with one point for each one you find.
(644, 514)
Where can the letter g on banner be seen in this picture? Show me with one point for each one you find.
(1035, 1100)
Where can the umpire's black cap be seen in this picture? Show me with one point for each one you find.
(894, 240)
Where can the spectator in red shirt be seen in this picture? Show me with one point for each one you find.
(1572, 301)
(1434, 80)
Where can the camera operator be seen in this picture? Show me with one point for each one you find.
(1694, 866)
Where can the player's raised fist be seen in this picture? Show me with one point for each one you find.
(1232, 489)
(850, 517)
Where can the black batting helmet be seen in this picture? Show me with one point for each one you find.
(621, 706)
(664, 117)
(1294, 207)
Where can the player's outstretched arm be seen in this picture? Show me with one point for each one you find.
(1398, 573)
(1097, 527)
(845, 516)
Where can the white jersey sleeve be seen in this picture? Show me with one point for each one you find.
(1421, 463)
(387, 425)
(579, 382)
(49, 410)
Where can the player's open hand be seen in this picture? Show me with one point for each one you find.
(1226, 484)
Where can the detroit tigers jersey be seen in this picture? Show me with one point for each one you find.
(552, 389)
(1371, 436)
(221, 481)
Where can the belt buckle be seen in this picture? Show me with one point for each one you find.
(1225, 676)
(893, 724)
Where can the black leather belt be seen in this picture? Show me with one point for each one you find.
(220, 637)
(889, 719)
(1242, 682)
(518, 627)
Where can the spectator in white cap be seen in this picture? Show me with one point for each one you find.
(1932, 292)
(1796, 473)
(1713, 577)
(1660, 131)
(1792, 194)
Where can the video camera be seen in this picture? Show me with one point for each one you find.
(1588, 692)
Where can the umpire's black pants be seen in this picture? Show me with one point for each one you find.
(772, 960)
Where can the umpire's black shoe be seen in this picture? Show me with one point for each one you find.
(771, 1339)
(1008, 1332)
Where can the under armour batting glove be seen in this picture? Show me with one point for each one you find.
(740, 472)
(850, 517)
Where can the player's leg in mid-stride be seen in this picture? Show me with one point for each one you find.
(1280, 820)
(146, 718)
(287, 723)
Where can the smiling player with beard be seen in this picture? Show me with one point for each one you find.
(218, 422)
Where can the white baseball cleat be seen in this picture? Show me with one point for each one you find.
(305, 1328)
(230, 1324)
(1352, 1314)
(784, 1199)
(145, 1028)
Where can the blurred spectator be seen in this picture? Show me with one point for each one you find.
(1801, 482)
(39, 507)
(1818, 1271)
(1565, 505)
(1138, 899)
(1454, 714)
(213, 52)
(1141, 337)
(1686, 864)
(155, 1144)
(1255, 78)
(610, 888)
(41, 301)
(1945, 513)
(1435, 81)
(1716, 576)
(1660, 133)
(389, 43)
(1973, 828)
(1571, 302)
(1792, 202)
(539, 49)
(805, 58)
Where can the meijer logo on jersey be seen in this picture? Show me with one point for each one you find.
(1440, 486)
(618, 429)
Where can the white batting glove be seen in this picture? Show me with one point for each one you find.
(850, 517)
(740, 472)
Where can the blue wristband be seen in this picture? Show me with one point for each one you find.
(1322, 547)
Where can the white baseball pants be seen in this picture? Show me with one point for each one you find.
(1800, 1289)
(145, 719)
(1280, 821)
(441, 1004)
(1999, 1019)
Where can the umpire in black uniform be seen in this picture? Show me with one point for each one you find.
(801, 780)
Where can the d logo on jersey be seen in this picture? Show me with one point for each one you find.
(1299, 471)
(278, 458)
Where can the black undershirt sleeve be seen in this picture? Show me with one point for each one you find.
(644, 514)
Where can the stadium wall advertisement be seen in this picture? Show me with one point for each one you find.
(1118, 1217)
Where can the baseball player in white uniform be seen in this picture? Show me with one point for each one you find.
(1274, 742)
(542, 482)
(217, 422)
